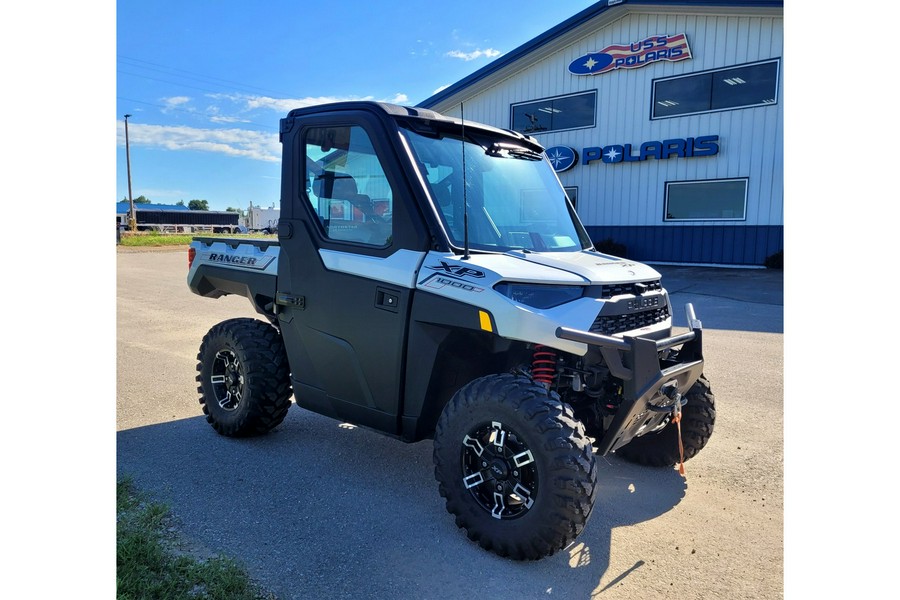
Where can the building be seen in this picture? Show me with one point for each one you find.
(663, 119)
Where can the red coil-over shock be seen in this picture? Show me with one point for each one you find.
(543, 365)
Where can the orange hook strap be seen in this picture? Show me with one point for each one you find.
(677, 419)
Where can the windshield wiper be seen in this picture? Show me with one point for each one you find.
(506, 149)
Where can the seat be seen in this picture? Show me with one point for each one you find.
(341, 186)
(345, 223)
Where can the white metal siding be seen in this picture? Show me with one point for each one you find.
(750, 139)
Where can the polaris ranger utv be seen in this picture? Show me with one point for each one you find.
(432, 281)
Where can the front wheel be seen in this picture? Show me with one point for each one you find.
(515, 467)
(244, 377)
(660, 448)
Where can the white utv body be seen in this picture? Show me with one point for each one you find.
(431, 280)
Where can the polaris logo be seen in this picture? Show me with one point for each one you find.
(633, 55)
(705, 145)
(562, 158)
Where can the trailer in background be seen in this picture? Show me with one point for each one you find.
(262, 219)
(178, 219)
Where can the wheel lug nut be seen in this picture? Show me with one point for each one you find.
(499, 488)
(515, 473)
(484, 463)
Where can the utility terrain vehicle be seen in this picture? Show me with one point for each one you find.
(431, 280)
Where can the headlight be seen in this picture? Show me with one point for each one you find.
(539, 295)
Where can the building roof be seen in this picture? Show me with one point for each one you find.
(570, 25)
(125, 206)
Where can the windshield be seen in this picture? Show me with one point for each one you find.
(512, 195)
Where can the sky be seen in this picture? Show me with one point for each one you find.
(206, 82)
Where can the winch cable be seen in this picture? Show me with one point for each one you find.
(671, 391)
(676, 418)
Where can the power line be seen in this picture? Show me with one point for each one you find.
(192, 112)
(193, 75)
(178, 83)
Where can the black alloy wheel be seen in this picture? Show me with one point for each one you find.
(499, 470)
(227, 380)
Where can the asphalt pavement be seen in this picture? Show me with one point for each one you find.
(716, 292)
(319, 509)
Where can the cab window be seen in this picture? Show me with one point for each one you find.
(346, 185)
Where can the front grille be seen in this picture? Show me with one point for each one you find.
(613, 324)
(617, 289)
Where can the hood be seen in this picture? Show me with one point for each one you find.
(555, 268)
(592, 266)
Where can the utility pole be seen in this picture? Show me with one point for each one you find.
(132, 217)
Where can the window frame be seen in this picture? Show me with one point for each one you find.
(593, 124)
(311, 203)
(574, 203)
(668, 184)
(653, 84)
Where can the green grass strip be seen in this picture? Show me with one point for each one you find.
(149, 568)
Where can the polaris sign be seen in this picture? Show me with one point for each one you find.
(633, 55)
(707, 145)
(563, 158)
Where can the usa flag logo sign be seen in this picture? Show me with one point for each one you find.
(631, 56)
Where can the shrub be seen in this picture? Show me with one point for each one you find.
(775, 261)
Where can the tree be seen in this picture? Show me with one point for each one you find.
(239, 211)
(139, 200)
(179, 203)
(198, 205)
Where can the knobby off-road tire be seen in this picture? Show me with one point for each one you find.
(515, 467)
(244, 377)
(660, 449)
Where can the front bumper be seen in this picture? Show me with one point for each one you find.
(649, 381)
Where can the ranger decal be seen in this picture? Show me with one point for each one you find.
(250, 262)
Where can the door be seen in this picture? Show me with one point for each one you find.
(345, 282)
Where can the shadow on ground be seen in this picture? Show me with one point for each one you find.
(735, 299)
(318, 509)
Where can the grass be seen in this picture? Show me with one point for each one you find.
(146, 238)
(150, 567)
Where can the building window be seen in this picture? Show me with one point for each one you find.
(725, 89)
(572, 193)
(555, 114)
(718, 199)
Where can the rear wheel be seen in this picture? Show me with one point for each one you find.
(660, 449)
(244, 377)
(515, 467)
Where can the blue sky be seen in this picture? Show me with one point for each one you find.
(207, 82)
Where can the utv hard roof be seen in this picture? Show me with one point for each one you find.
(391, 109)
(398, 111)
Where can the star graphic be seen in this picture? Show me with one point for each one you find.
(612, 154)
(590, 63)
(556, 158)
